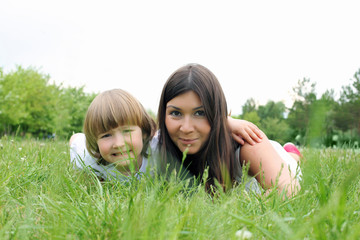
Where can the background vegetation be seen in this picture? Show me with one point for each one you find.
(312, 120)
(43, 197)
(31, 106)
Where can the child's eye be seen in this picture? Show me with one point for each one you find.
(105, 135)
(175, 113)
(125, 131)
(200, 113)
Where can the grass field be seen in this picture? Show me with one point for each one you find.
(42, 197)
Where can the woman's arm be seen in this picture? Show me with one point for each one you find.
(268, 166)
(243, 130)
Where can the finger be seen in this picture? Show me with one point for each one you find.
(254, 135)
(238, 139)
(248, 139)
(257, 131)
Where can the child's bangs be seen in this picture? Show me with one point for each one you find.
(127, 114)
(119, 114)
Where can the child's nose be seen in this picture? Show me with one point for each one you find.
(119, 140)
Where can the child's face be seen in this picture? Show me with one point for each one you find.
(122, 146)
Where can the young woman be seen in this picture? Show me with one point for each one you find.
(193, 117)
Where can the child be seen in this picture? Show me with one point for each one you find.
(117, 131)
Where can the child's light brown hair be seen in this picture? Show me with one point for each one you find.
(111, 109)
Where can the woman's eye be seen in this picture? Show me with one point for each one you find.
(200, 113)
(175, 113)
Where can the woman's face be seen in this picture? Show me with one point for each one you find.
(186, 122)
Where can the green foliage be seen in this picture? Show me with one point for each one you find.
(276, 129)
(311, 118)
(272, 121)
(269, 118)
(316, 125)
(252, 117)
(23, 95)
(272, 109)
(311, 121)
(71, 109)
(152, 114)
(30, 105)
(249, 106)
(43, 197)
(348, 112)
(299, 114)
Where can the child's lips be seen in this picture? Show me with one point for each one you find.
(121, 154)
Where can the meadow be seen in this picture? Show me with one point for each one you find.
(43, 197)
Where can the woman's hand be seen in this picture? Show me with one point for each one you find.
(243, 130)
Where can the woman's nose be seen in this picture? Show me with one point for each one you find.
(187, 125)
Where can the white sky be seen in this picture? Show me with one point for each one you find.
(257, 49)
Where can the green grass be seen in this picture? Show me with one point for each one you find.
(42, 197)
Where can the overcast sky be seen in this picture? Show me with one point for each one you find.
(257, 49)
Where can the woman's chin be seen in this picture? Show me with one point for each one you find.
(189, 150)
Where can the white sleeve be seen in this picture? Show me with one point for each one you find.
(291, 162)
(81, 158)
(79, 155)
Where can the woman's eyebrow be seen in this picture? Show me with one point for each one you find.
(198, 107)
(172, 106)
(177, 108)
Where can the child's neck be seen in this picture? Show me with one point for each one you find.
(127, 171)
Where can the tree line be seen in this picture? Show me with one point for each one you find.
(32, 106)
(311, 120)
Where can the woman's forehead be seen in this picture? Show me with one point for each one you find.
(186, 99)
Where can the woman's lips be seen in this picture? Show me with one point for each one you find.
(187, 141)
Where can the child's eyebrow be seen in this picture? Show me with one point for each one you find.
(127, 126)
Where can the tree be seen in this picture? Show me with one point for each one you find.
(276, 129)
(252, 117)
(272, 121)
(269, 118)
(348, 113)
(249, 106)
(27, 101)
(36, 107)
(272, 110)
(299, 113)
(71, 109)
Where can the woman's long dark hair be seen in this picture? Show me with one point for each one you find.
(218, 153)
